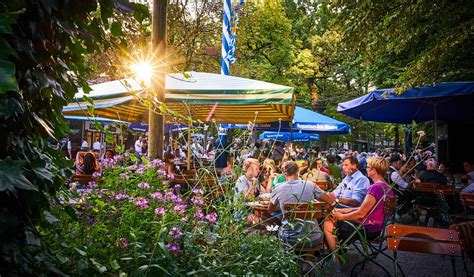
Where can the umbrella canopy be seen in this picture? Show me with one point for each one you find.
(203, 96)
(442, 101)
(304, 120)
(287, 136)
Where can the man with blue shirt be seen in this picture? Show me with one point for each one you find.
(353, 188)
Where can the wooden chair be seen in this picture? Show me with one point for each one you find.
(313, 211)
(376, 246)
(82, 179)
(435, 189)
(436, 241)
(467, 201)
(325, 185)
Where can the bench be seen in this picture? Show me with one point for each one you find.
(435, 241)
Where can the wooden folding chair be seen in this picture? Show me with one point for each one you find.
(467, 201)
(312, 211)
(376, 245)
(435, 189)
(425, 240)
(324, 185)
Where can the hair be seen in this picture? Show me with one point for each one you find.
(395, 158)
(331, 159)
(352, 160)
(269, 164)
(89, 164)
(379, 164)
(249, 162)
(289, 168)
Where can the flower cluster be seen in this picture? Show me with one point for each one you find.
(143, 185)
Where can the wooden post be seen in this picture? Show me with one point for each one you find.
(158, 42)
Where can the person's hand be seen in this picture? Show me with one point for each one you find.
(337, 215)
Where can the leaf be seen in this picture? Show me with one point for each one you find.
(49, 217)
(7, 77)
(71, 212)
(32, 239)
(116, 29)
(88, 99)
(114, 264)
(98, 266)
(11, 176)
(82, 253)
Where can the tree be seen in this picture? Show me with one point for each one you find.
(42, 64)
(408, 44)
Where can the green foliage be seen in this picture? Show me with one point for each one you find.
(132, 222)
(42, 63)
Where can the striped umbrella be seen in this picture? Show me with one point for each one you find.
(203, 96)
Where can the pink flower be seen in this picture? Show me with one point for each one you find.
(92, 185)
(176, 199)
(121, 243)
(199, 214)
(173, 247)
(211, 217)
(140, 170)
(96, 175)
(142, 203)
(198, 191)
(160, 211)
(180, 208)
(198, 201)
(177, 186)
(156, 195)
(175, 233)
(143, 185)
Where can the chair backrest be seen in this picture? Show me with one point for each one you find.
(307, 211)
(83, 179)
(466, 234)
(324, 185)
(424, 240)
(432, 188)
(467, 199)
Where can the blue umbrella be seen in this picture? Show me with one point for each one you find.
(286, 136)
(444, 101)
(304, 120)
(441, 101)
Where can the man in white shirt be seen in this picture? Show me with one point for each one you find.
(84, 144)
(138, 145)
(96, 145)
(401, 186)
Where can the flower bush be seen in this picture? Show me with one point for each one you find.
(131, 221)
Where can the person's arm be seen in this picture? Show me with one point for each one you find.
(358, 213)
(397, 179)
(344, 210)
(348, 202)
(327, 197)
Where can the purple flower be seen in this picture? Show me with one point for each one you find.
(155, 163)
(143, 185)
(211, 217)
(156, 195)
(140, 170)
(160, 211)
(176, 199)
(198, 201)
(177, 186)
(121, 243)
(96, 175)
(180, 208)
(199, 214)
(92, 185)
(198, 191)
(142, 203)
(175, 233)
(173, 247)
(121, 196)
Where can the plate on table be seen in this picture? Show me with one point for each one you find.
(264, 196)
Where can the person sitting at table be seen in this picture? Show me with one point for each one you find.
(353, 188)
(395, 179)
(270, 174)
(469, 169)
(109, 154)
(88, 166)
(247, 185)
(370, 213)
(168, 159)
(295, 190)
(304, 168)
(431, 174)
(316, 174)
(334, 170)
